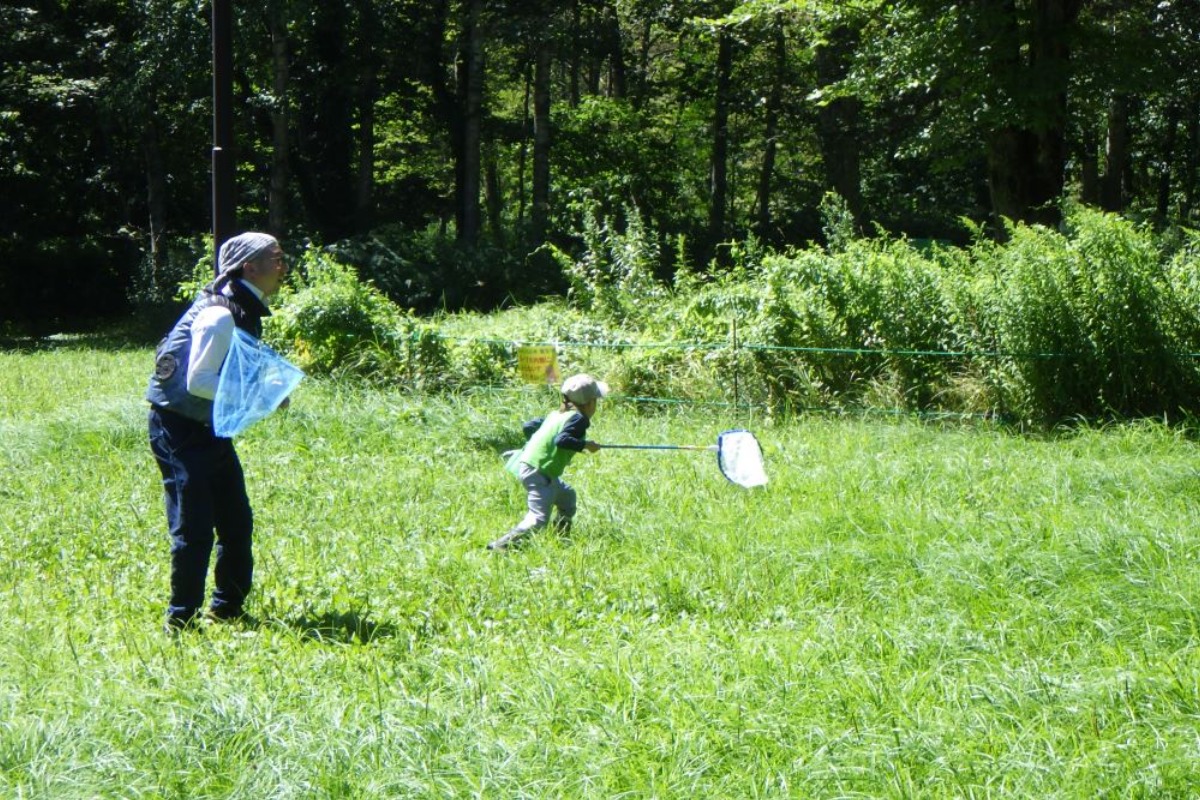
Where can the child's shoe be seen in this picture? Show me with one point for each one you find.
(507, 540)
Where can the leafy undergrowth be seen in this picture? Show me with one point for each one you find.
(1097, 320)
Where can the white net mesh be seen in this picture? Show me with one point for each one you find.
(254, 381)
(741, 458)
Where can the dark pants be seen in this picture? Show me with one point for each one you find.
(205, 490)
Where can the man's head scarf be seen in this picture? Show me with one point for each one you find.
(242, 248)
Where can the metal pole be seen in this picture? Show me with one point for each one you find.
(737, 363)
(223, 210)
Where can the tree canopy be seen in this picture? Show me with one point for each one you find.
(476, 132)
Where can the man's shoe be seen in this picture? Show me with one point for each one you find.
(173, 625)
(225, 616)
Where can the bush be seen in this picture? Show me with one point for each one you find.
(484, 362)
(1091, 320)
(615, 275)
(1095, 320)
(331, 323)
(429, 270)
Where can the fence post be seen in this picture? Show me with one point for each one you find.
(737, 363)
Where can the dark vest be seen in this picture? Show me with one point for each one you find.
(168, 384)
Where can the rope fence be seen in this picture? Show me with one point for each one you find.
(815, 382)
(853, 351)
(735, 346)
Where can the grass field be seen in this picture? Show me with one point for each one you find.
(907, 610)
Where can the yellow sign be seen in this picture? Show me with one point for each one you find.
(538, 364)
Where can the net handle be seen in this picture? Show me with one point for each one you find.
(710, 447)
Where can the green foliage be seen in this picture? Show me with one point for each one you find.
(677, 374)
(837, 222)
(1183, 287)
(616, 274)
(1095, 321)
(1091, 319)
(609, 155)
(106, 111)
(427, 270)
(201, 273)
(480, 363)
(332, 323)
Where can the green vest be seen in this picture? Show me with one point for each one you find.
(540, 451)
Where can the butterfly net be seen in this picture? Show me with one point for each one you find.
(741, 459)
(254, 381)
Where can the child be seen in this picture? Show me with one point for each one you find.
(553, 442)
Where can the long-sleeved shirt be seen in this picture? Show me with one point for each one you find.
(571, 437)
(212, 335)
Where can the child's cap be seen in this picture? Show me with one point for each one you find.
(582, 389)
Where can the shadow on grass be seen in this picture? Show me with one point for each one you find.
(340, 627)
(497, 443)
(138, 330)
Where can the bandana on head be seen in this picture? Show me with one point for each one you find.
(242, 248)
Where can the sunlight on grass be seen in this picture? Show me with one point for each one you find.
(906, 610)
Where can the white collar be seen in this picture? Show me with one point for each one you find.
(257, 291)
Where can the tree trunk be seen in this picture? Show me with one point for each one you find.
(541, 143)
(1113, 188)
(719, 183)
(368, 89)
(277, 191)
(615, 47)
(1162, 198)
(838, 121)
(364, 194)
(492, 199)
(468, 199)
(593, 73)
(326, 169)
(1089, 168)
(447, 106)
(523, 155)
(771, 133)
(156, 201)
(576, 62)
(1017, 189)
(645, 43)
(1027, 156)
(1191, 162)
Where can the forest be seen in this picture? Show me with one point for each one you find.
(447, 149)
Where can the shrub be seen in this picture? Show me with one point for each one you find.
(615, 275)
(421, 357)
(429, 270)
(331, 323)
(1091, 319)
(486, 362)
(1183, 287)
(1094, 320)
(1126, 303)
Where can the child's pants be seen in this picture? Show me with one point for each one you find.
(544, 493)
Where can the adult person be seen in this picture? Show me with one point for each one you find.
(202, 477)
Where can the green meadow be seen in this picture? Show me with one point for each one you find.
(908, 610)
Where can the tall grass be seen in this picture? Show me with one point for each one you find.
(907, 610)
